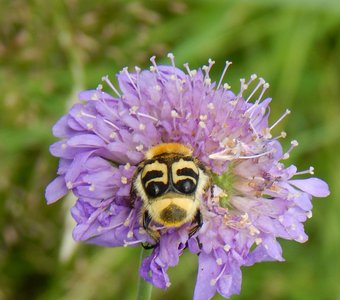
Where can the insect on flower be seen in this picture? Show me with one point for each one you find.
(170, 182)
(175, 161)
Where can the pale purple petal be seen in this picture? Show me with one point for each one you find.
(56, 190)
(207, 271)
(314, 186)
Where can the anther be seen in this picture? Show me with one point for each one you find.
(69, 185)
(202, 124)
(213, 282)
(253, 77)
(172, 59)
(226, 86)
(226, 247)
(193, 73)
(174, 114)
(211, 105)
(91, 188)
(253, 230)
(207, 81)
(140, 147)
(283, 135)
(141, 230)
(133, 110)
(123, 180)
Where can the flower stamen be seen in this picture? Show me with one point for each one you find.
(191, 73)
(207, 69)
(171, 56)
(287, 112)
(82, 113)
(309, 171)
(111, 124)
(110, 84)
(261, 82)
(214, 280)
(226, 247)
(257, 102)
(293, 144)
(147, 116)
(264, 88)
(131, 243)
(282, 135)
(136, 87)
(227, 64)
(154, 64)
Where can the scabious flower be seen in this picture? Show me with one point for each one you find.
(254, 198)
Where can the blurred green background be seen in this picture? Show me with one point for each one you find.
(49, 50)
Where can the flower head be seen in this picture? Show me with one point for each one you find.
(253, 199)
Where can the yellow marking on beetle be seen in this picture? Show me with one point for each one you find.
(156, 208)
(181, 164)
(156, 166)
(168, 148)
(140, 190)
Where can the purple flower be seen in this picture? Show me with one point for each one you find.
(254, 198)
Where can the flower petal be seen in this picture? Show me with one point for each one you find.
(56, 190)
(207, 271)
(314, 186)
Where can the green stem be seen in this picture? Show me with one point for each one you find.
(144, 287)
